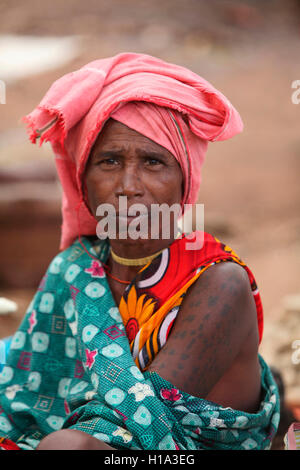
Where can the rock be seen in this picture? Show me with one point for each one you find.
(281, 345)
(291, 303)
(22, 56)
(7, 306)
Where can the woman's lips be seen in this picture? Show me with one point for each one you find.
(130, 218)
(127, 215)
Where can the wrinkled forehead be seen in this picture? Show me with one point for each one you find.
(118, 137)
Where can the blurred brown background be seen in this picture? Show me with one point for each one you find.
(250, 50)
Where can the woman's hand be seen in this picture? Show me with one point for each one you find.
(71, 439)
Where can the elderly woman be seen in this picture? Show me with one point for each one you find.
(137, 342)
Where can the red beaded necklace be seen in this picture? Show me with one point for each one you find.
(113, 277)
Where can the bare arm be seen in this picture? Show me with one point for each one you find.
(215, 332)
(71, 439)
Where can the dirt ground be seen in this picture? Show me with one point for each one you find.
(250, 184)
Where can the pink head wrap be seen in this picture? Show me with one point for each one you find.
(167, 103)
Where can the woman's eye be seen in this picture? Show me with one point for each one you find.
(153, 162)
(108, 162)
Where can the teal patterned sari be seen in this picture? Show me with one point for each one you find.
(70, 366)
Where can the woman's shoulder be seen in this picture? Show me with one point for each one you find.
(213, 253)
(201, 247)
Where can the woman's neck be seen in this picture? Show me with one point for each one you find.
(125, 261)
(124, 273)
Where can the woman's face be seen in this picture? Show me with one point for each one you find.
(123, 162)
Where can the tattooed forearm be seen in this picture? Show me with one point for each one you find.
(213, 300)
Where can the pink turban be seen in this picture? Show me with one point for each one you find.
(167, 103)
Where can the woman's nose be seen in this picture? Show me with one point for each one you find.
(130, 183)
